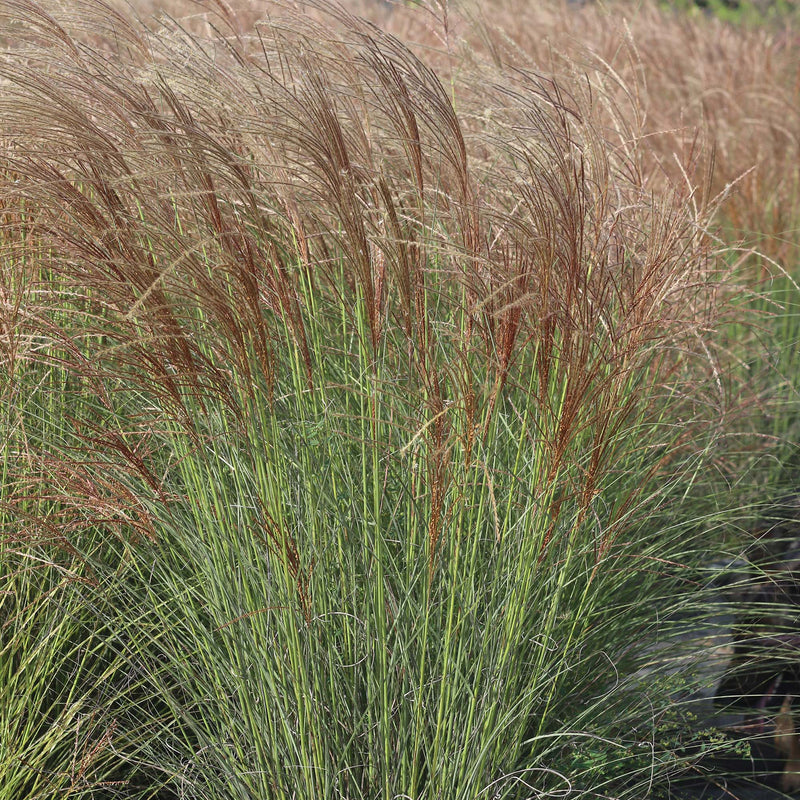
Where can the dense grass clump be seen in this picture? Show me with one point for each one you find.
(364, 410)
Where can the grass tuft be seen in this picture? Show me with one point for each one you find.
(369, 406)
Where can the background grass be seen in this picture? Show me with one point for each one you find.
(374, 403)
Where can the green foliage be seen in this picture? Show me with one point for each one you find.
(741, 12)
(56, 724)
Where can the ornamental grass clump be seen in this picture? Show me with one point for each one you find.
(726, 98)
(353, 392)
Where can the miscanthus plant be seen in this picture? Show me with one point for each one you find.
(352, 395)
